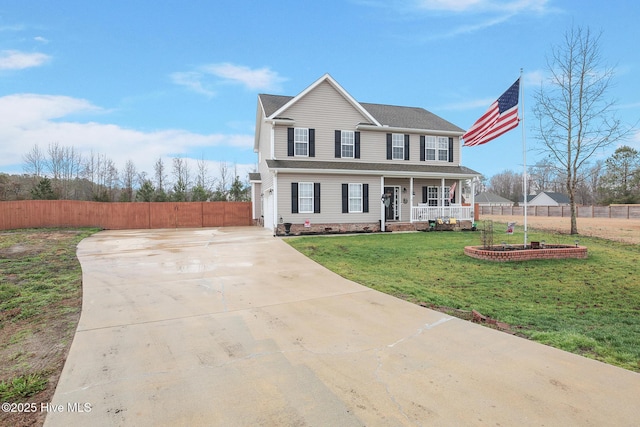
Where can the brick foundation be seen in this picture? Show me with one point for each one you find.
(520, 254)
(372, 227)
(300, 229)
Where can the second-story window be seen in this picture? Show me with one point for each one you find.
(443, 148)
(301, 141)
(430, 148)
(347, 144)
(397, 147)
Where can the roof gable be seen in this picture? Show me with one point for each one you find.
(281, 104)
(275, 107)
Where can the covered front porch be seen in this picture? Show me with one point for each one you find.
(425, 201)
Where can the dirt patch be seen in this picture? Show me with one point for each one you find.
(620, 230)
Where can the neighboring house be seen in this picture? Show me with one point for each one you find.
(490, 199)
(547, 198)
(328, 163)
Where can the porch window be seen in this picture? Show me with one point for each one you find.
(348, 144)
(432, 196)
(443, 148)
(301, 142)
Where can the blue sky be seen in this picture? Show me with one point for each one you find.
(141, 79)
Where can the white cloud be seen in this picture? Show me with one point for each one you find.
(16, 60)
(476, 6)
(259, 79)
(30, 119)
(41, 40)
(205, 77)
(193, 81)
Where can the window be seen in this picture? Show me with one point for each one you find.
(397, 148)
(355, 198)
(443, 148)
(430, 148)
(305, 197)
(432, 196)
(301, 141)
(348, 144)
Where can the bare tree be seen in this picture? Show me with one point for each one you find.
(160, 175)
(128, 177)
(181, 179)
(34, 162)
(507, 184)
(574, 118)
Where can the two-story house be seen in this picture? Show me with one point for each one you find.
(328, 163)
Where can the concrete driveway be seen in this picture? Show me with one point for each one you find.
(232, 327)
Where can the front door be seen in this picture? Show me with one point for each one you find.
(392, 211)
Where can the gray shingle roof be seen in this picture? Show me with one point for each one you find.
(254, 176)
(389, 115)
(408, 117)
(486, 197)
(382, 168)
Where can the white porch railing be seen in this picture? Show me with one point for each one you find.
(422, 212)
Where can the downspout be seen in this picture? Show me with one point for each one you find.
(275, 202)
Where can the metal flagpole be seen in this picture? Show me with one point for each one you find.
(524, 159)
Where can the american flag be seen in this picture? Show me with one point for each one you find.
(452, 191)
(501, 117)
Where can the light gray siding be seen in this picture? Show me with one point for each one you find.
(330, 199)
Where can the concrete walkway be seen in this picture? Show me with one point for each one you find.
(232, 327)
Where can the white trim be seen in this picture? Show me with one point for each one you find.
(275, 202)
(388, 174)
(392, 129)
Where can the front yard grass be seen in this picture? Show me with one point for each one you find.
(590, 307)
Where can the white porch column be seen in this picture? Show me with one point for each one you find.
(411, 199)
(442, 196)
(275, 202)
(382, 210)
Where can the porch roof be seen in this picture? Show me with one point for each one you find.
(380, 169)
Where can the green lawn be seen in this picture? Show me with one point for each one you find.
(589, 307)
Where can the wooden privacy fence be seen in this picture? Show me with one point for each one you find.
(118, 216)
(613, 211)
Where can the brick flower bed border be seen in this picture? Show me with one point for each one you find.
(518, 253)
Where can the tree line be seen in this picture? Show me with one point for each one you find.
(63, 172)
(610, 181)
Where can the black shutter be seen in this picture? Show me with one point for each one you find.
(424, 194)
(316, 197)
(450, 150)
(338, 140)
(365, 197)
(389, 147)
(290, 151)
(312, 142)
(406, 147)
(294, 197)
(422, 148)
(345, 198)
(357, 146)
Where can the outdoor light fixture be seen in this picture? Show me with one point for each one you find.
(577, 241)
